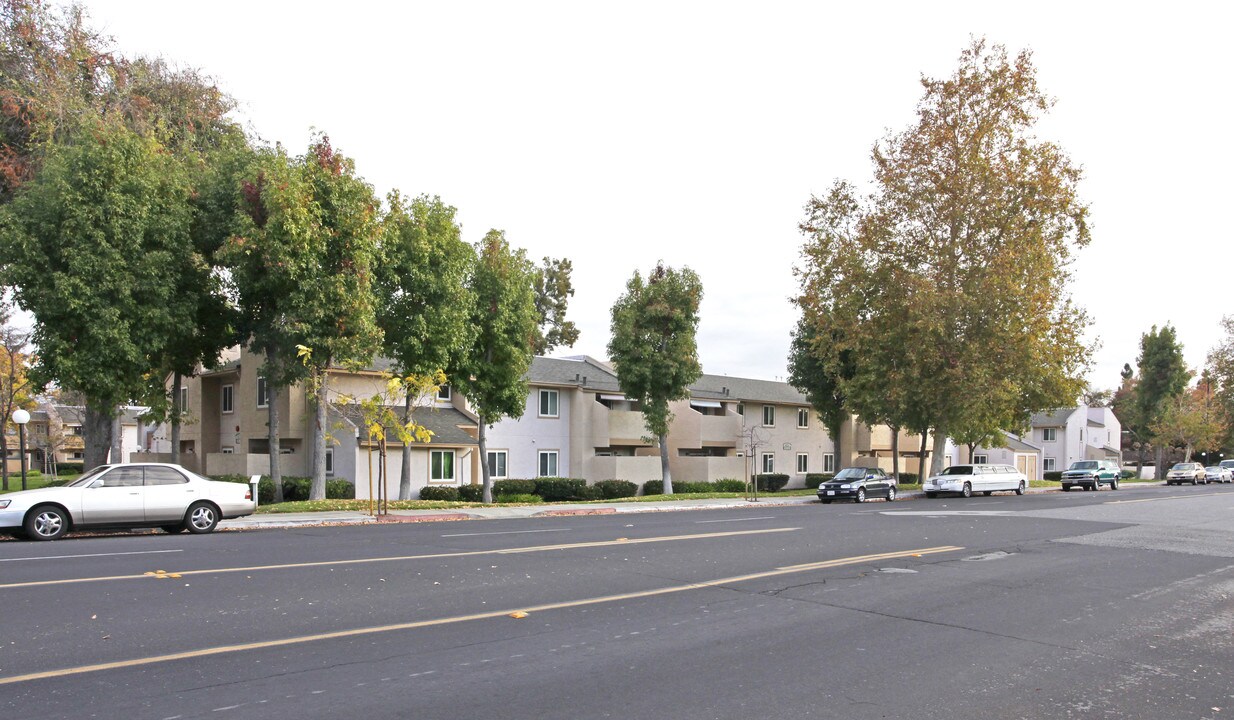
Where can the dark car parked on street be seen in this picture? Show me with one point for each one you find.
(858, 484)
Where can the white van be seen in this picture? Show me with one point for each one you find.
(969, 479)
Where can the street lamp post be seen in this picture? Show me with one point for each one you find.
(21, 417)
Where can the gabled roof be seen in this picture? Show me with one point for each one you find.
(581, 371)
(443, 422)
(1017, 445)
(1052, 418)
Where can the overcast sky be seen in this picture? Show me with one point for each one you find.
(619, 134)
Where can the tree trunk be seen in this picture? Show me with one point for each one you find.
(318, 489)
(4, 454)
(272, 427)
(117, 437)
(1187, 456)
(664, 471)
(922, 471)
(1139, 463)
(1159, 468)
(895, 453)
(835, 446)
(175, 418)
(487, 479)
(96, 436)
(404, 480)
(940, 447)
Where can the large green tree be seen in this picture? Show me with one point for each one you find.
(819, 375)
(1163, 377)
(654, 346)
(959, 260)
(423, 302)
(492, 371)
(97, 244)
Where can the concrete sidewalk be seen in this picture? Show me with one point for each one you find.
(497, 512)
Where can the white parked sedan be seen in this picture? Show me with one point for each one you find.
(1218, 474)
(126, 496)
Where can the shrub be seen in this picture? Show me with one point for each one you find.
(514, 487)
(1127, 474)
(732, 485)
(524, 498)
(816, 479)
(70, 468)
(436, 492)
(589, 492)
(472, 493)
(616, 489)
(336, 489)
(909, 478)
(653, 487)
(1054, 475)
(771, 482)
(557, 488)
(294, 488)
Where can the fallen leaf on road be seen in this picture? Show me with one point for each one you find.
(518, 615)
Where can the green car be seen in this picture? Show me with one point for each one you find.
(1091, 475)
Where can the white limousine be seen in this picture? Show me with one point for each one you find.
(969, 479)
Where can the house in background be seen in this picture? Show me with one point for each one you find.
(1055, 439)
(54, 436)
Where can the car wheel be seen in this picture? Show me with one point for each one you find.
(1066, 488)
(1194, 481)
(46, 522)
(172, 529)
(967, 491)
(931, 495)
(891, 493)
(861, 495)
(1019, 490)
(1114, 483)
(201, 518)
(1096, 484)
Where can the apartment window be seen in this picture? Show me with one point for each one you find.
(741, 409)
(769, 462)
(72, 430)
(441, 464)
(228, 397)
(1048, 434)
(829, 463)
(329, 462)
(803, 417)
(769, 416)
(78, 456)
(443, 393)
(263, 393)
(548, 463)
(548, 403)
(184, 399)
(980, 459)
(1049, 464)
(497, 460)
(803, 463)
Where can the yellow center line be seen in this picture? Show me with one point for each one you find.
(225, 649)
(406, 558)
(1167, 497)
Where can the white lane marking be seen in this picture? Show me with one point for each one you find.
(507, 532)
(66, 557)
(229, 707)
(704, 522)
(951, 513)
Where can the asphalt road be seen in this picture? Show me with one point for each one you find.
(1086, 605)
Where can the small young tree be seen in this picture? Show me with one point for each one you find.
(654, 346)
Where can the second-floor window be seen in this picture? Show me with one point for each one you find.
(769, 416)
(769, 462)
(443, 393)
(184, 399)
(548, 403)
(263, 393)
(228, 397)
(1048, 434)
(803, 417)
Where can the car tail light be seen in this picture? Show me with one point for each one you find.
(248, 494)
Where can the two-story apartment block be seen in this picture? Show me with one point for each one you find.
(1056, 438)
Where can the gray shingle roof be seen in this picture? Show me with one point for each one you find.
(713, 387)
(1016, 445)
(442, 422)
(1052, 418)
(581, 371)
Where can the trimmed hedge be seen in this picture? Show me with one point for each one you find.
(448, 493)
(909, 478)
(514, 487)
(771, 482)
(732, 485)
(610, 489)
(1055, 475)
(524, 498)
(294, 488)
(559, 488)
(816, 479)
(472, 493)
(1127, 474)
(68, 468)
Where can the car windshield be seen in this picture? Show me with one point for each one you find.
(1183, 466)
(89, 477)
(958, 470)
(851, 474)
(1084, 465)
(1213, 468)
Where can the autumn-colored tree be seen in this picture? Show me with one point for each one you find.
(1193, 419)
(1221, 364)
(959, 260)
(423, 302)
(492, 371)
(654, 346)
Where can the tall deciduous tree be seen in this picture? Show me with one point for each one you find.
(95, 243)
(1221, 364)
(492, 372)
(1163, 377)
(1194, 419)
(965, 245)
(553, 292)
(819, 375)
(423, 302)
(654, 346)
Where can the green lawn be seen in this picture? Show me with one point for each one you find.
(35, 481)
